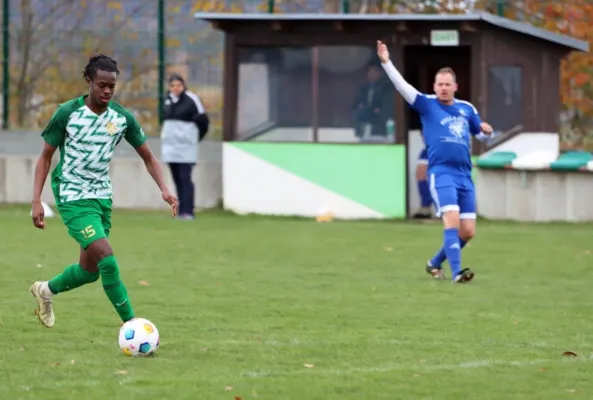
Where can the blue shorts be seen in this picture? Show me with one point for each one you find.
(423, 157)
(453, 193)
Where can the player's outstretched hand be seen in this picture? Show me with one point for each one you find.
(382, 52)
(172, 200)
(38, 214)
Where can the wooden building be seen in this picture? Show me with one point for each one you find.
(487, 52)
(315, 78)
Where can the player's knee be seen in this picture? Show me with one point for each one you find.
(421, 172)
(467, 234)
(102, 253)
(87, 263)
(98, 250)
(92, 271)
(451, 219)
(467, 229)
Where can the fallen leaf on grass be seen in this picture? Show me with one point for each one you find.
(143, 283)
(569, 354)
(121, 372)
(56, 364)
(228, 388)
(238, 398)
(308, 365)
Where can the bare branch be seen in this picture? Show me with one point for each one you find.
(41, 46)
(55, 11)
(47, 61)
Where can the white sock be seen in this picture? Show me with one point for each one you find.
(45, 292)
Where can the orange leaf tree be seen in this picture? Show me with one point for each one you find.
(573, 18)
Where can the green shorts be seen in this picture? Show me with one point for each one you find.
(87, 220)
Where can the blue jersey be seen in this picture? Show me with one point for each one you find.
(447, 131)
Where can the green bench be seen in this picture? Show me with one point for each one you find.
(497, 160)
(571, 161)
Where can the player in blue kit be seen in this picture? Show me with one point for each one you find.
(447, 125)
(423, 188)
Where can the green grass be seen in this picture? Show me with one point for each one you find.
(243, 303)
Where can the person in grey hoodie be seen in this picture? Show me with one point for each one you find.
(185, 124)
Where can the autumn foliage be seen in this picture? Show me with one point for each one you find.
(573, 18)
(51, 41)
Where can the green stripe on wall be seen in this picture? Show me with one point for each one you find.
(371, 175)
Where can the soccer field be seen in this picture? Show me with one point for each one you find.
(264, 308)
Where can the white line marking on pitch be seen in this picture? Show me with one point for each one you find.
(417, 368)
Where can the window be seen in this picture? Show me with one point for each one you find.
(505, 97)
(274, 95)
(314, 94)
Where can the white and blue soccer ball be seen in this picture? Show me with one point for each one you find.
(139, 338)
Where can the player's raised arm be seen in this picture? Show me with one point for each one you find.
(408, 92)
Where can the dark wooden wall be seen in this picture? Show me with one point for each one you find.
(490, 46)
(541, 75)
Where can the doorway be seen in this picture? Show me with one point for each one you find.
(421, 64)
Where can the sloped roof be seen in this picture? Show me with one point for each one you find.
(504, 23)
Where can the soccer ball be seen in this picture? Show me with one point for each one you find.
(138, 338)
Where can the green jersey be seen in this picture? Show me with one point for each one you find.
(86, 142)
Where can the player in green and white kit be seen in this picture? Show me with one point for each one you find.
(86, 130)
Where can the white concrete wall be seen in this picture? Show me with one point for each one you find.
(535, 195)
(132, 185)
(528, 142)
(253, 185)
(415, 144)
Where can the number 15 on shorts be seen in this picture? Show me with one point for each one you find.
(88, 232)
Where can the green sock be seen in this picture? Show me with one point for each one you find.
(72, 277)
(115, 288)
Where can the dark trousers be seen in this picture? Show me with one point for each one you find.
(181, 173)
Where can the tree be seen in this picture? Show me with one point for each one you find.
(195, 51)
(50, 43)
(573, 18)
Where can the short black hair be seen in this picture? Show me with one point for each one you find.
(99, 62)
(176, 77)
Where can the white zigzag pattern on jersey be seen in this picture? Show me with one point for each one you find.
(87, 152)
